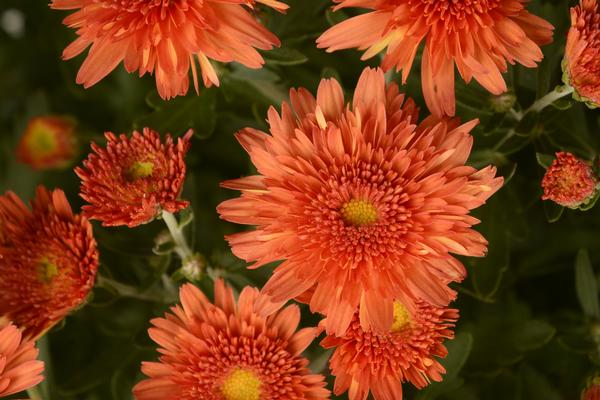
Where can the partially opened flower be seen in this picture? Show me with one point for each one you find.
(48, 142)
(366, 362)
(167, 38)
(48, 260)
(479, 37)
(364, 206)
(19, 367)
(134, 178)
(228, 351)
(582, 54)
(569, 181)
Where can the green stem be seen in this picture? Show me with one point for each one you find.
(558, 93)
(125, 290)
(181, 246)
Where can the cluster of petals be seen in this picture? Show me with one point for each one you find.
(569, 181)
(478, 36)
(167, 38)
(48, 142)
(48, 260)
(19, 367)
(364, 361)
(229, 351)
(364, 206)
(132, 179)
(582, 53)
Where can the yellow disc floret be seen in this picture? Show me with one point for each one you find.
(140, 169)
(359, 212)
(401, 317)
(47, 270)
(241, 384)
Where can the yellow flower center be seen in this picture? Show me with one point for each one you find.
(47, 270)
(401, 317)
(140, 169)
(359, 212)
(241, 384)
(42, 141)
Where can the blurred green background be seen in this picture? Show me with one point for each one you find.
(530, 326)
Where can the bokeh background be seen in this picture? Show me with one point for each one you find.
(530, 325)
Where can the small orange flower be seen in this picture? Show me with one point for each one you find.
(364, 206)
(48, 143)
(131, 180)
(592, 390)
(165, 37)
(569, 181)
(582, 54)
(48, 260)
(478, 36)
(19, 367)
(366, 362)
(228, 351)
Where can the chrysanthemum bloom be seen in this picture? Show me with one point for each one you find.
(363, 205)
(48, 142)
(582, 54)
(19, 367)
(592, 391)
(479, 37)
(134, 178)
(165, 37)
(224, 351)
(48, 260)
(569, 181)
(379, 363)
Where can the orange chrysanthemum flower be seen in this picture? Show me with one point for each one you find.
(48, 142)
(19, 367)
(582, 54)
(133, 179)
(229, 352)
(379, 363)
(592, 391)
(569, 181)
(165, 37)
(363, 205)
(479, 37)
(48, 260)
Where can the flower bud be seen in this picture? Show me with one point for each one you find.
(569, 181)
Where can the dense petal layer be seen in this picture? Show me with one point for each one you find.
(479, 37)
(228, 351)
(363, 205)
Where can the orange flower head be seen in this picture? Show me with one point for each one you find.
(48, 143)
(364, 206)
(478, 36)
(48, 260)
(569, 181)
(366, 362)
(228, 351)
(131, 180)
(582, 55)
(19, 367)
(167, 38)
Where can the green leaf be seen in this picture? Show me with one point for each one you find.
(285, 56)
(536, 386)
(553, 211)
(586, 285)
(459, 350)
(544, 160)
(531, 335)
(182, 113)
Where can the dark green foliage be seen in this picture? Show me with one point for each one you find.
(530, 319)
